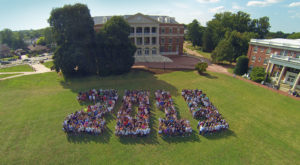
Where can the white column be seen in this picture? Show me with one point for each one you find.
(267, 70)
(296, 82)
(268, 66)
(280, 76)
(272, 66)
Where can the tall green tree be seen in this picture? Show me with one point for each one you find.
(14, 40)
(114, 49)
(223, 52)
(241, 66)
(41, 41)
(232, 46)
(225, 22)
(260, 26)
(195, 33)
(7, 37)
(73, 30)
(48, 35)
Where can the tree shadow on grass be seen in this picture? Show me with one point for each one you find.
(209, 76)
(135, 80)
(220, 135)
(194, 137)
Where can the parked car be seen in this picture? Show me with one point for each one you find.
(5, 62)
(26, 60)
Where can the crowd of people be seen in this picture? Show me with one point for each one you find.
(170, 125)
(90, 120)
(130, 126)
(100, 95)
(199, 105)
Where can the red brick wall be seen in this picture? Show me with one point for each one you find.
(97, 27)
(258, 54)
(263, 55)
(174, 35)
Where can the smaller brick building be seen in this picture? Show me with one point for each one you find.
(280, 58)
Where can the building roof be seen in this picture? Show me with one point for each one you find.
(37, 47)
(278, 42)
(161, 19)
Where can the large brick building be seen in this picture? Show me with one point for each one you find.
(280, 58)
(154, 36)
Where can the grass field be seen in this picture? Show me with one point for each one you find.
(48, 64)
(18, 68)
(199, 50)
(7, 75)
(264, 126)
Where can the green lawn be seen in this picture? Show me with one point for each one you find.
(18, 68)
(199, 50)
(7, 75)
(264, 126)
(48, 64)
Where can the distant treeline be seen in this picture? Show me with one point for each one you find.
(20, 39)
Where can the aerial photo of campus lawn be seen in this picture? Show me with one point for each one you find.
(89, 87)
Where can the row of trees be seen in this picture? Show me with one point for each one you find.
(16, 39)
(227, 34)
(80, 50)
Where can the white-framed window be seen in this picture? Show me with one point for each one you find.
(253, 58)
(259, 59)
(298, 55)
(177, 40)
(146, 51)
(162, 41)
(170, 40)
(266, 61)
(147, 40)
(153, 51)
(139, 30)
(169, 48)
(178, 30)
(139, 51)
(139, 40)
(170, 30)
(269, 51)
(251, 67)
(153, 29)
(161, 49)
(163, 30)
(282, 52)
(153, 40)
(262, 49)
(292, 54)
(255, 49)
(147, 30)
(177, 48)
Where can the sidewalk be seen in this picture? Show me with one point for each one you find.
(39, 68)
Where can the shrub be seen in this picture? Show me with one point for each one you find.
(241, 65)
(201, 67)
(258, 74)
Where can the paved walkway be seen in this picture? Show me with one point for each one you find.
(38, 68)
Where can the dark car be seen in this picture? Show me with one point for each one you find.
(5, 62)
